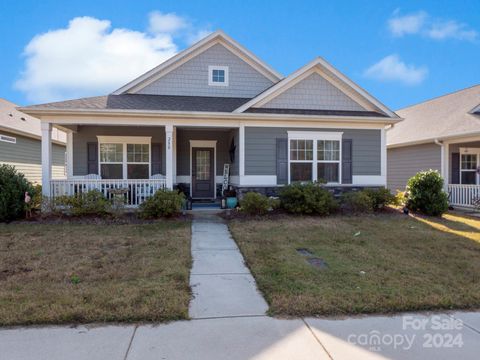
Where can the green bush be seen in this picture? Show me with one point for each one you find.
(309, 198)
(13, 186)
(425, 193)
(380, 197)
(357, 202)
(89, 203)
(400, 198)
(254, 203)
(164, 203)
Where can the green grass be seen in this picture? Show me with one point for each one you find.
(64, 273)
(408, 263)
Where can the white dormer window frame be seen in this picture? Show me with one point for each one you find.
(213, 76)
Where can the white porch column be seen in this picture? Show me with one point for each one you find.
(46, 157)
(174, 155)
(69, 154)
(169, 155)
(241, 154)
(445, 165)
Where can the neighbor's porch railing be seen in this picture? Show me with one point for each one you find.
(463, 195)
(136, 191)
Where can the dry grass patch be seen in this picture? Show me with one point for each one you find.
(67, 273)
(377, 263)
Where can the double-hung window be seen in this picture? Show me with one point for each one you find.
(328, 160)
(124, 157)
(468, 166)
(314, 156)
(301, 160)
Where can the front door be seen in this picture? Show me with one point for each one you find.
(203, 177)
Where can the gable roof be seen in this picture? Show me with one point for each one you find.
(446, 116)
(17, 122)
(218, 37)
(324, 69)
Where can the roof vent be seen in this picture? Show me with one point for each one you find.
(22, 118)
(11, 115)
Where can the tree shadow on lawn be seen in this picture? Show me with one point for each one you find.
(455, 224)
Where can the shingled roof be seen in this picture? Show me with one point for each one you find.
(147, 102)
(446, 116)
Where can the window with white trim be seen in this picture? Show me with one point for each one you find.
(138, 161)
(314, 156)
(328, 160)
(468, 167)
(9, 139)
(218, 75)
(124, 157)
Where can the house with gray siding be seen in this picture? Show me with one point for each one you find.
(216, 112)
(20, 144)
(441, 134)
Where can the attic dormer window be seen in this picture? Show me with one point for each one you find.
(218, 75)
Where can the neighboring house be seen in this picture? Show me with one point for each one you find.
(441, 134)
(213, 104)
(20, 143)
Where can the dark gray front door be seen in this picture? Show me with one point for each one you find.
(203, 177)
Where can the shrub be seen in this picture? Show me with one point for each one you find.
(400, 198)
(274, 203)
(164, 203)
(37, 198)
(254, 203)
(425, 193)
(89, 203)
(13, 186)
(357, 202)
(380, 197)
(309, 198)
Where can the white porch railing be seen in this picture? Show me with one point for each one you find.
(463, 195)
(136, 191)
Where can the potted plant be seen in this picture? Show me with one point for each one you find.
(231, 198)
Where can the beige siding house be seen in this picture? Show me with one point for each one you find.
(216, 112)
(441, 134)
(20, 144)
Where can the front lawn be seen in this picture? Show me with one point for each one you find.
(376, 263)
(69, 273)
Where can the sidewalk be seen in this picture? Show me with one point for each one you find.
(258, 337)
(229, 322)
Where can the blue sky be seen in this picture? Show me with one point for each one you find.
(402, 52)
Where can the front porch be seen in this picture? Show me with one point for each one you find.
(138, 161)
(461, 171)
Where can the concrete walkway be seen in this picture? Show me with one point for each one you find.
(408, 336)
(222, 285)
(229, 322)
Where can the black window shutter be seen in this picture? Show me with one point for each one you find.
(455, 168)
(347, 161)
(92, 158)
(282, 161)
(156, 159)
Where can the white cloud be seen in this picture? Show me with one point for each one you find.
(407, 24)
(169, 23)
(392, 68)
(451, 29)
(422, 23)
(89, 57)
